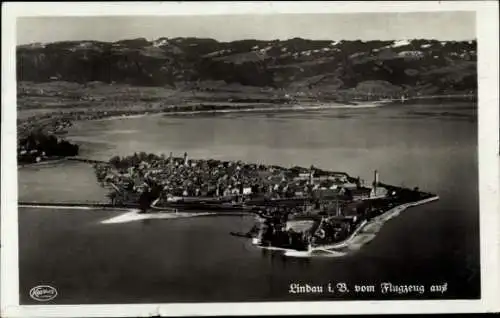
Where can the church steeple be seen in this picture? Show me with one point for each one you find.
(311, 175)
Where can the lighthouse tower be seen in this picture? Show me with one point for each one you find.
(170, 159)
(186, 158)
(375, 182)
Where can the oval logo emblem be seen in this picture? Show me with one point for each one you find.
(43, 293)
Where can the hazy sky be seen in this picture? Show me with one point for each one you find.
(363, 26)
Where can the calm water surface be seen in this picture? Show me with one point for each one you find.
(195, 260)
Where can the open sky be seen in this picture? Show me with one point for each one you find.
(347, 26)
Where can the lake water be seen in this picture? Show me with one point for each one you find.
(433, 147)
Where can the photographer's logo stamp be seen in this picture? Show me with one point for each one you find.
(43, 293)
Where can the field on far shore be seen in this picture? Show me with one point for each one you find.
(60, 97)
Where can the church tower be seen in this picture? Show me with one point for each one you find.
(311, 176)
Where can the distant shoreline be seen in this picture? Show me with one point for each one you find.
(306, 106)
(206, 109)
(215, 107)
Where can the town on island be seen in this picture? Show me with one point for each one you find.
(297, 208)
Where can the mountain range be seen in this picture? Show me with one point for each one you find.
(372, 67)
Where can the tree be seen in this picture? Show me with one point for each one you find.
(115, 161)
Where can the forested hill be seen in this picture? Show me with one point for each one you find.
(388, 67)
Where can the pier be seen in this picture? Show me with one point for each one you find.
(75, 205)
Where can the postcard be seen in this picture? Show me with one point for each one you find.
(224, 158)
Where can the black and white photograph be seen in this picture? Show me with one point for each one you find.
(281, 158)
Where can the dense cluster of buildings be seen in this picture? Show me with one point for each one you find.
(277, 194)
(184, 179)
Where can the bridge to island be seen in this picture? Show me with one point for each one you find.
(87, 160)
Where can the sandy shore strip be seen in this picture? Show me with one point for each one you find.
(275, 109)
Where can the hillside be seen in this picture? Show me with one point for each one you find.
(380, 68)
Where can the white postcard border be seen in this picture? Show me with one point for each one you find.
(488, 113)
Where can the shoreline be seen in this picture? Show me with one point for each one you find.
(41, 163)
(271, 109)
(306, 106)
(334, 248)
(384, 217)
(238, 107)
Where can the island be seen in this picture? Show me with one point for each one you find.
(297, 209)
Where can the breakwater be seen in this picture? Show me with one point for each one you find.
(366, 231)
(389, 214)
